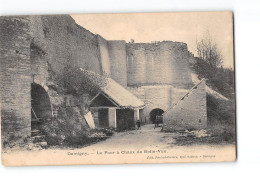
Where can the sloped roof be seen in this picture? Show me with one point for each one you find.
(113, 90)
(120, 95)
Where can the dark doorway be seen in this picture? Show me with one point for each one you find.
(154, 113)
(40, 104)
(125, 119)
(103, 118)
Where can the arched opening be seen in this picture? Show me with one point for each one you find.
(154, 113)
(40, 105)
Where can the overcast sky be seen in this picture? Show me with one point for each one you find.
(182, 27)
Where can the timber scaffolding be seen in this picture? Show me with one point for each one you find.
(186, 95)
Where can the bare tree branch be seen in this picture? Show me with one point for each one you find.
(208, 51)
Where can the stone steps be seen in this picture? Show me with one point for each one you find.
(42, 144)
(35, 124)
(36, 133)
(38, 138)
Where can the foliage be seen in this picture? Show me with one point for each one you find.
(77, 81)
(221, 117)
(221, 125)
(69, 129)
(219, 79)
(220, 112)
(208, 65)
(208, 51)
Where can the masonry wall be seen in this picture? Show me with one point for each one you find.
(189, 113)
(158, 63)
(117, 54)
(104, 55)
(15, 77)
(136, 65)
(157, 96)
(40, 49)
(58, 43)
(66, 43)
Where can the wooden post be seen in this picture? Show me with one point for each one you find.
(112, 117)
(136, 114)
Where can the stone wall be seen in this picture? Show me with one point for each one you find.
(158, 63)
(15, 79)
(66, 43)
(104, 55)
(117, 54)
(38, 49)
(136, 65)
(57, 43)
(157, 96)
(189, 113)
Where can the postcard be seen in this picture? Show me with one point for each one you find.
(117, 88)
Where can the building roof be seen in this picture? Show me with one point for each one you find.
(114, 91)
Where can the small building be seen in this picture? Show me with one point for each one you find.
(115, 107)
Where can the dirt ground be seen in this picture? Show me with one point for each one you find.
(147, 145)
(146, 137)
(149, 137)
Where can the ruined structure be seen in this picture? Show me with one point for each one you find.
(36, 54)
(189, 112)
(159, 74)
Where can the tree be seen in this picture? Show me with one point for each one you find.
(208, 51)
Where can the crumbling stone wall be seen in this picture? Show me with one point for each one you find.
(65, 43)
(104, 55)
(117, 54)
(158, 63)
(57, 43)
(136, 65)
(189, 113)
(15, 79)
(38, 49)
(158, 73)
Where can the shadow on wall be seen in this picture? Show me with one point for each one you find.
(40, 102)
(41, 110)
(125, 119)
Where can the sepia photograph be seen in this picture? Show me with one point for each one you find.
(117, 88)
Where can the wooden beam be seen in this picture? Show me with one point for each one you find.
(117, 105)
(94, 98)
(104, 107)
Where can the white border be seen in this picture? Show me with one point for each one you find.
(247, 29)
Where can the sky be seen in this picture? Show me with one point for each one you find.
(184, 27)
